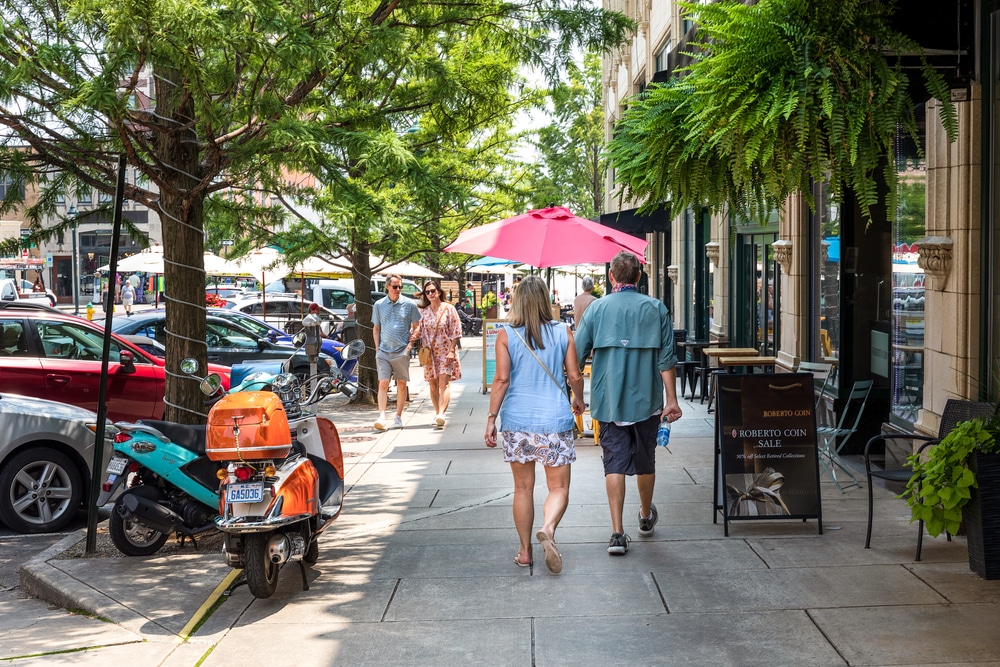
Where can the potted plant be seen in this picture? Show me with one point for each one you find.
(957, 482)
(488, 306)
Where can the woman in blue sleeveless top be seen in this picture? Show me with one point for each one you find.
(535, 356)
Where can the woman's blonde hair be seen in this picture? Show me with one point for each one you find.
(531, 309)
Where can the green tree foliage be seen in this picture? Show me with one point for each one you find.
(571, 165)
(217, 103)
(781, 93)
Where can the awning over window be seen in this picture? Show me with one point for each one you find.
(636, 224)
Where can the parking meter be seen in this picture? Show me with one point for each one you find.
(314, 336)
(314, 341)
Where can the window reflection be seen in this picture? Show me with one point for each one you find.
(907, 319)
(827, 343)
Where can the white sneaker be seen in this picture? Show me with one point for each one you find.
(397, 422)
(380, 424)
(439, 420)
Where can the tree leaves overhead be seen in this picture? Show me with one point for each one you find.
(571, 167)
(781, 93)
(223, 105)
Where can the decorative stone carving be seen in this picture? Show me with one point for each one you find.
(934, 257)
(712, 250)
(672, 272)
(783, 254)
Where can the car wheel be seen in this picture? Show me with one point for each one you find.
(40, 491)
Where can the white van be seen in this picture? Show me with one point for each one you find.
(336, 294)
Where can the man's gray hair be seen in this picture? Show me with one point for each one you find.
(588, 283)
(625, 267)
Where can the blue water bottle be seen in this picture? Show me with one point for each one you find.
(663, 433)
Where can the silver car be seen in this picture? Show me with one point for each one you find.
(46, 451)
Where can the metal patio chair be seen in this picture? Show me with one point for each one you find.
(835, 437)
(820, 371)
(955, 411)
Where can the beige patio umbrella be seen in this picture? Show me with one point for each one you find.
(260, 264)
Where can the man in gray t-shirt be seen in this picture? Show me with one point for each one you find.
(394, 326)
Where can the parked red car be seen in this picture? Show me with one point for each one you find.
(49, 354)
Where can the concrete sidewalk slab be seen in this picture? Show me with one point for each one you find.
(418, 570)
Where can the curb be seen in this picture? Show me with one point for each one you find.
(43, 580)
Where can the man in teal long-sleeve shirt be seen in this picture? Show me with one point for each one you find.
(632, 338)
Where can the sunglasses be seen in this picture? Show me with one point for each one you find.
(395, 287)
(430, 291)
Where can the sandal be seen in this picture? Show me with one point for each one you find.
(553, 559)
(519, 563)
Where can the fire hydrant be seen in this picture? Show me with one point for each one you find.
(90, 311)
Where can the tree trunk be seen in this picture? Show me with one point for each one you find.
(181, 216)
(367, 372)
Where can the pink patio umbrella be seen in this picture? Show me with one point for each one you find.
(547, 237)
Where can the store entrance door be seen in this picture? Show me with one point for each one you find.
(757, 293)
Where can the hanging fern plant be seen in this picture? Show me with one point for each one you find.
(781, 93)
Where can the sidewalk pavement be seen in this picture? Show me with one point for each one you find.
(418, 571)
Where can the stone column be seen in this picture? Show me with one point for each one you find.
(952, 300)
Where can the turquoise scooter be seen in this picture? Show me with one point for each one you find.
(171, 486)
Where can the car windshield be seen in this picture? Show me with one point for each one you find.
(66, 340)
(219, 334)
(250, 324)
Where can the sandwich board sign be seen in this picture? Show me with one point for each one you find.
(767, 458)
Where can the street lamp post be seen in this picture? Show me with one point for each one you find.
(75, 273)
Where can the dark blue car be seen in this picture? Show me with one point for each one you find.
(264, 330)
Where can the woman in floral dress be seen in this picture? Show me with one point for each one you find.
(440, 331)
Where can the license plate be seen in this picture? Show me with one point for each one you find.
(247, 492)
(117, 465)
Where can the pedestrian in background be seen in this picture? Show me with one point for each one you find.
(440, 332)
(632, 338)
(583, 300)
(534, 357)
(128, 297)
(394, 328)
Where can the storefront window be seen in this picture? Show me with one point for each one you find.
(907, 320)
(826, 344)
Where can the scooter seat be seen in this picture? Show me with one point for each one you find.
(191, 438)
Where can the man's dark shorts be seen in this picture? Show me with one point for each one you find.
(630, 450)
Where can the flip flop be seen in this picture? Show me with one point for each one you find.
(553, 559)
(517, 559)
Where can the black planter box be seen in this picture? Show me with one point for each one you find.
(982, 517)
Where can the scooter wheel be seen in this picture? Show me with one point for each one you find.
(261, 573)
(131, 537)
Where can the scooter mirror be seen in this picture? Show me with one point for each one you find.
(354, 349)
(189, 366)
(299, 339)
(211, 384)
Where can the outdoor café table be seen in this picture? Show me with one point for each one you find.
(715, 355)
(691, 362)
(733, 363)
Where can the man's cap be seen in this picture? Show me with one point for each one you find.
(313, 307)
(588, 283)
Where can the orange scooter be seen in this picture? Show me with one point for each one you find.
(282, 483)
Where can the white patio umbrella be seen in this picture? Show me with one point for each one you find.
(149, 260)
(218, 266)
(409, 269)
(260, 264)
